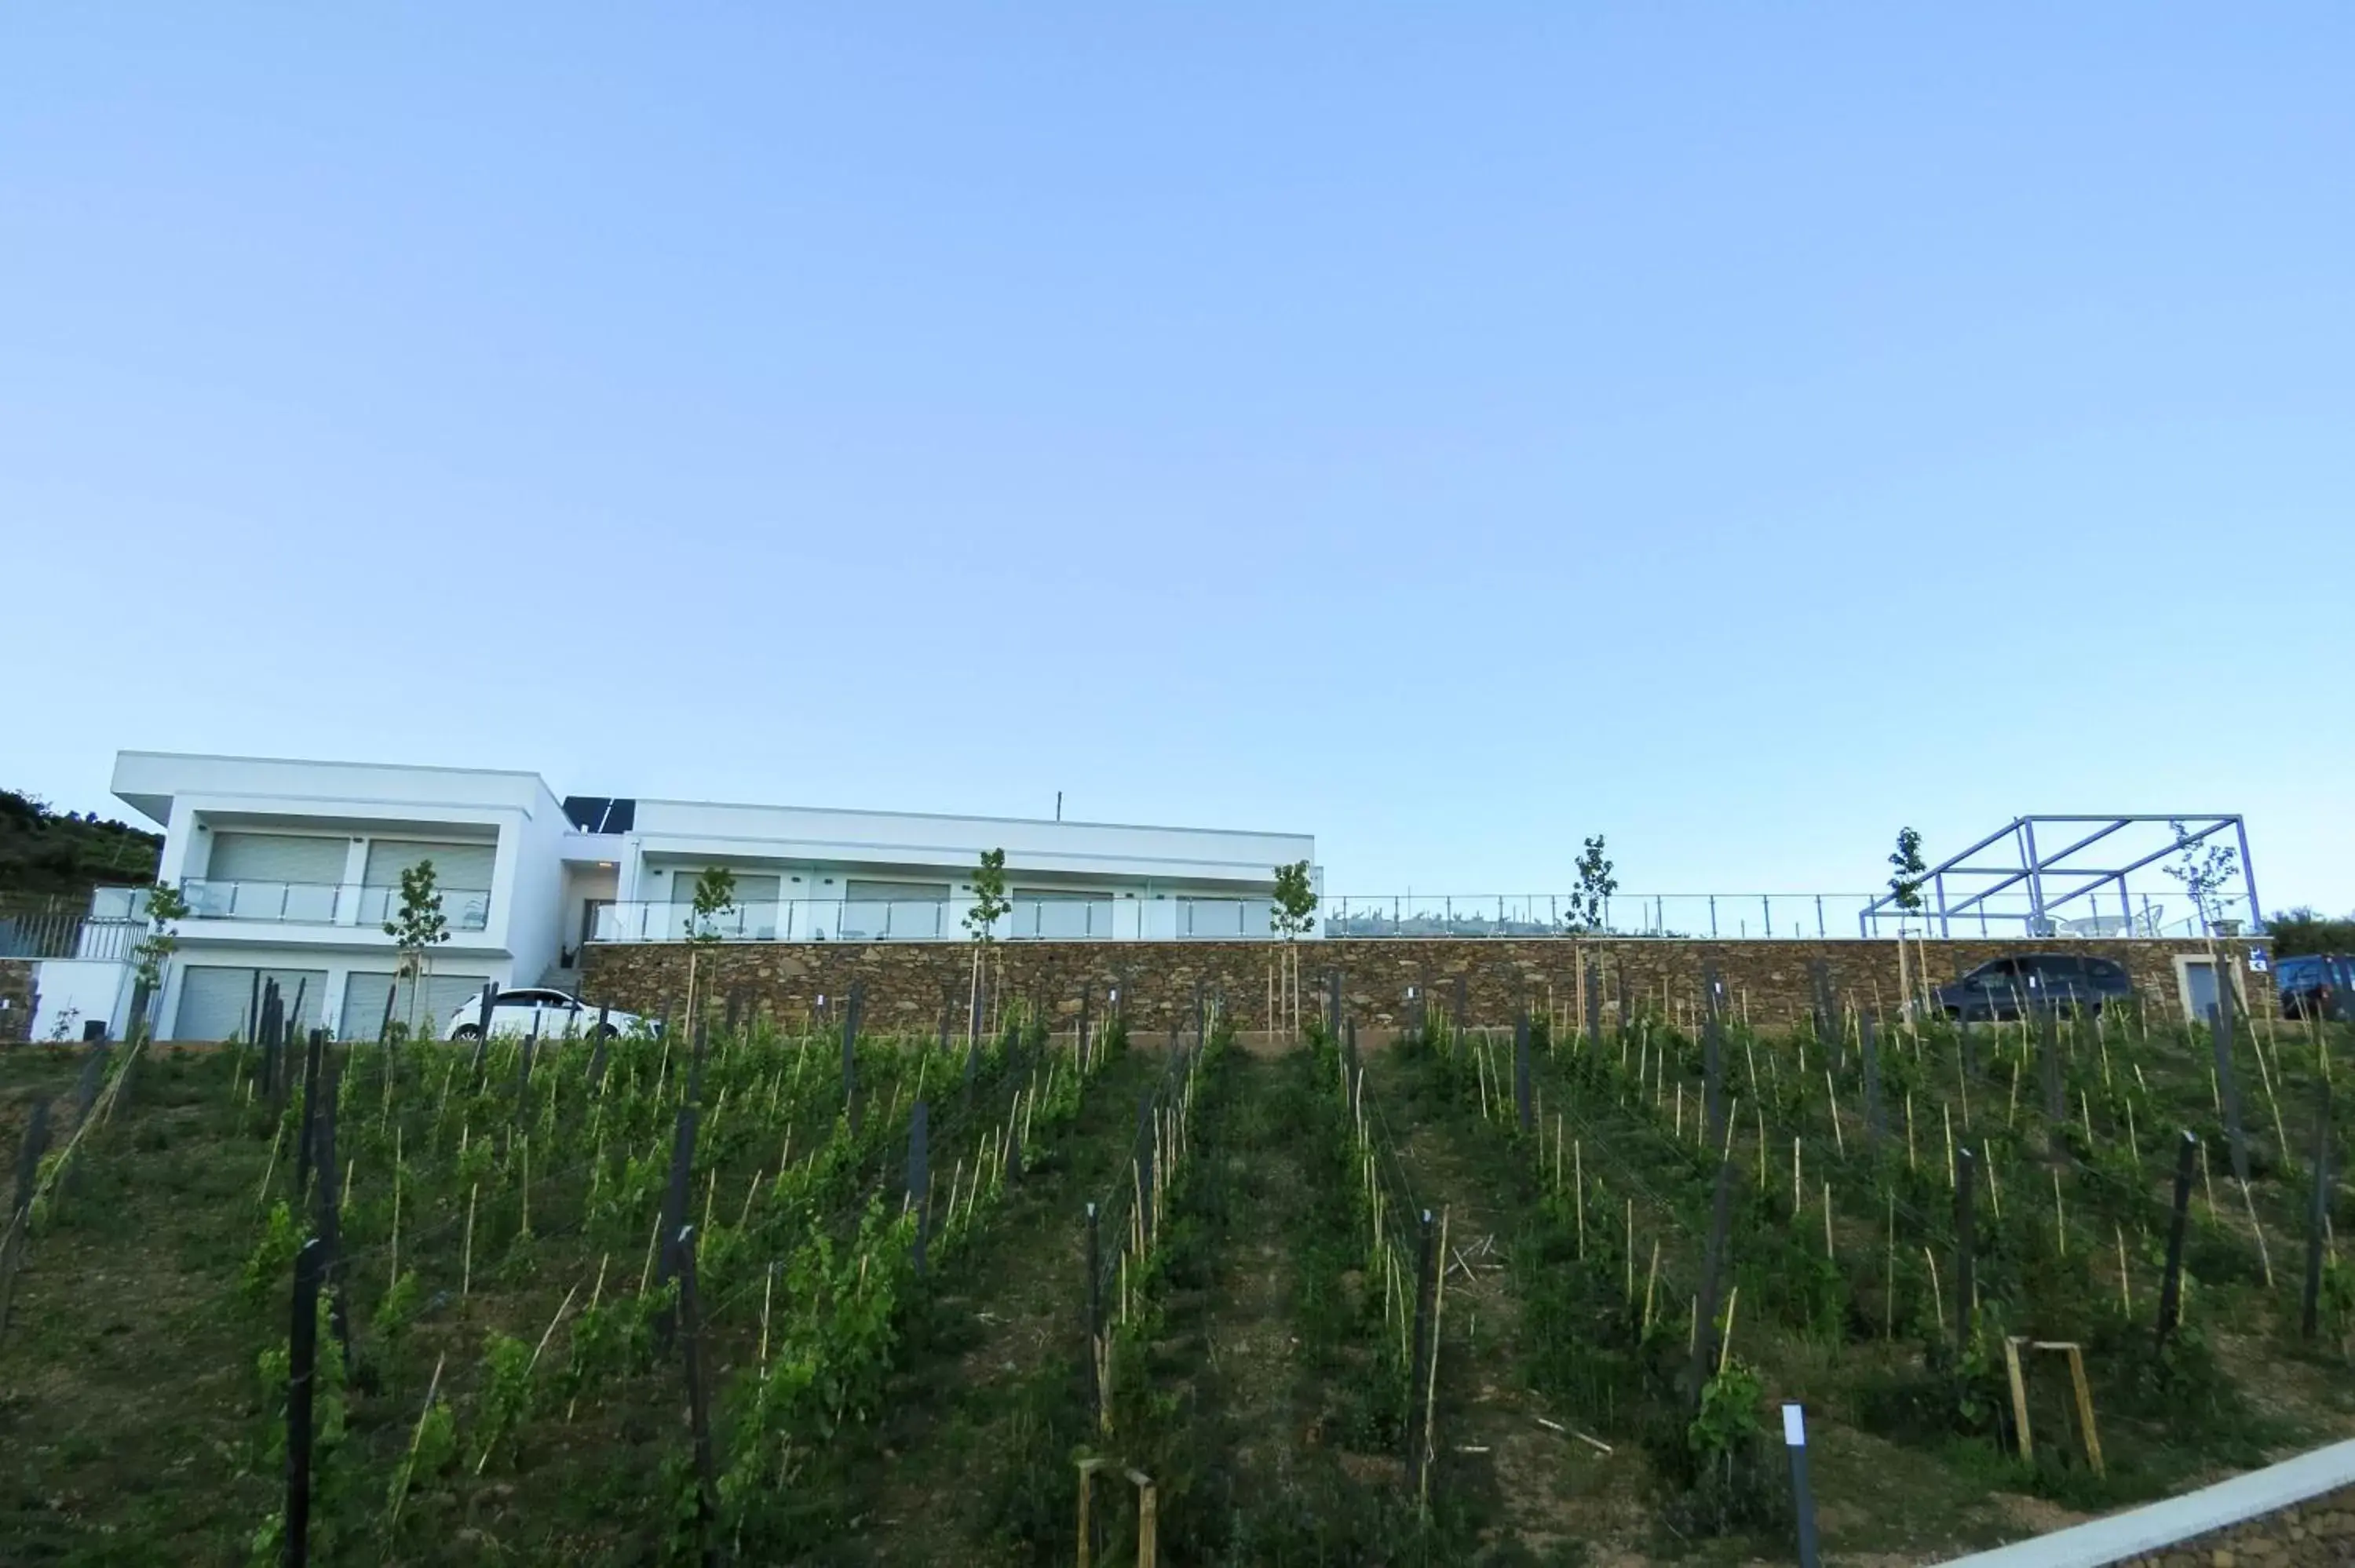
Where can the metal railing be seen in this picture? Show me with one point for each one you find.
(1745, 915)
(323, 903)
(1717, 916)
(1721, 916)
(64, 927)
(114, 924)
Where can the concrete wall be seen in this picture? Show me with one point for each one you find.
(531, 869)
(77, 992)
(907, 983)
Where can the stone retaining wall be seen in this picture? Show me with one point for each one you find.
(913, 985)
(16, 992)
(2316, 1534)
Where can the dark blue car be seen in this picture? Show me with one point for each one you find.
(2005, 990)
(2316, 985)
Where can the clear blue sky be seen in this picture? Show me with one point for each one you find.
(1447, 429)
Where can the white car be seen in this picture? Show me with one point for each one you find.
(533, 1010)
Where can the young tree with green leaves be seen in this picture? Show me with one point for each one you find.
(714, 896)
(1292, 915)
(990, 907)
(713, 899)
(2204, 867)
(167, 906)
(416, 929)
(1595, 886)
(1905, 883)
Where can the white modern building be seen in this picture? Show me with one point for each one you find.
(291, 869)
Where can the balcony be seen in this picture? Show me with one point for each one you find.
(1079, 919)
(324, 903)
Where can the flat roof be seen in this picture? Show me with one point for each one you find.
(965, 817)
(152, 796)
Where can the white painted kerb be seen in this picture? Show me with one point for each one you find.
(2163, 1524)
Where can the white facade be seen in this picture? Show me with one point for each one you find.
(291, 869)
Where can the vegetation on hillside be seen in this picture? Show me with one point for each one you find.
(45, 851)
(2305, 930)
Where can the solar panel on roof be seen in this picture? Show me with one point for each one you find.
(602, 814)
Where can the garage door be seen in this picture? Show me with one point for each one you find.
(365, 994)
(215, 999)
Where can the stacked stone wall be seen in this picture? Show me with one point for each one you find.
(15, 1000)
(2316, 1534)
(913, 985)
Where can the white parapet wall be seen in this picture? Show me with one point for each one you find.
(71, 993)
(2147, 1531)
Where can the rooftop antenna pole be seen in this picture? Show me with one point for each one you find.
(1059, 805)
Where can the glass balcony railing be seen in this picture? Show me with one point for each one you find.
(937, 920)
(1719, 916)
(323, 903)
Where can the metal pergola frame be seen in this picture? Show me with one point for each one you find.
(2050, 883)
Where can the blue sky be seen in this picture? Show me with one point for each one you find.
(1450, 430)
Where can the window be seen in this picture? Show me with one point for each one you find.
(463, 867)
(276, 857)
(865, 890)
(1067, 913)
(753, 888)
(874, 909)
(1999, 976)
(270, 876)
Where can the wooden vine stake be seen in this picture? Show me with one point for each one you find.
(1148, 1522)
(2018, 1396)
(1628, 1252)
(1099, 1389)
(466, 1267)
(2265, 1253)
(1889, 1287)
(1578, 1167)
(2220, 1026)
(2318, 1214)
(1966, 1246)
(1868, 1049)
(416, 1437)
(1430, 1373)
(2171, 1290)
(1424, 1354)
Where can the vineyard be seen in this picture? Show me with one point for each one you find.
(1045, 1292)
